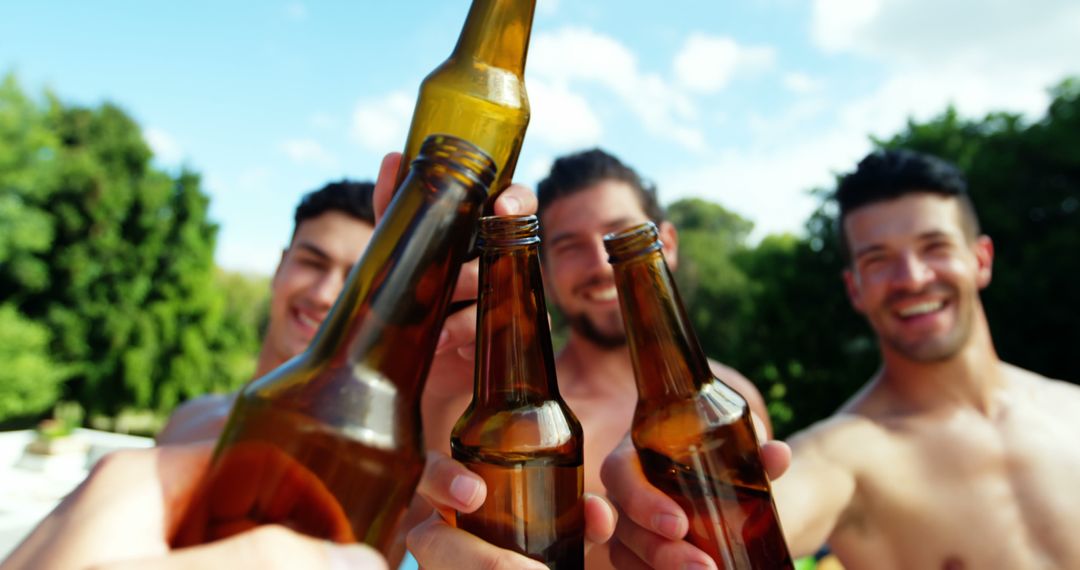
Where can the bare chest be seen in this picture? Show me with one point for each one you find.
(967, 494)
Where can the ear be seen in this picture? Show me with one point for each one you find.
(670, 238)
(854, 293)
(281, 261)
(983, 248)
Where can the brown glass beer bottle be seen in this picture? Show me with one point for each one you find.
(330, 442)
(478, 93)
(517, 433)
(693, 433)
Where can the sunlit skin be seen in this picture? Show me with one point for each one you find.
(948, 458)
(308, 279)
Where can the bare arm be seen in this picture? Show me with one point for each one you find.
(197, 420)
(748, 391)
(816, 490)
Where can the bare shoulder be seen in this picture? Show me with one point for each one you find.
(745, 388)
(197, 419)
(840, 437)
(1045, 391)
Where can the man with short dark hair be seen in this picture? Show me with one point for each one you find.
(586, 195)
(332, 227)
(948, 457)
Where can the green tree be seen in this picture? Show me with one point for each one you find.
(113, 256)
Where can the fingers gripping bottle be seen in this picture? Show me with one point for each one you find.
(330, 443)
(692, 432)
(518, 433)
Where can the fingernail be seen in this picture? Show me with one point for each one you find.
(352, 557)
(511, 204)
(667, 525)
(464, 489)
(695, 566)
(444, 338)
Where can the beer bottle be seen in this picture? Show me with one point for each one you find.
(330, 442)
(692, 432)
(517, 433)
(478, 93)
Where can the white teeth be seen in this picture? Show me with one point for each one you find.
(609, 294)
(921, 309)
(307, 321)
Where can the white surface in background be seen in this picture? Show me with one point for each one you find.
(31, 485)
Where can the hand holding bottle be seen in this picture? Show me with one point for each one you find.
(652, 525)
(449, 486)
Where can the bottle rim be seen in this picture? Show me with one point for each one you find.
(508, 231)
(632, 242)
(458, 154)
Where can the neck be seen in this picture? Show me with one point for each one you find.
(496, 32)
(970, 378)
(266, 362)
(586, 367)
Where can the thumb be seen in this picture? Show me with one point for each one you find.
(272, 547)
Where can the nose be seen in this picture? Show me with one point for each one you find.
(325, 290)
(911, 273)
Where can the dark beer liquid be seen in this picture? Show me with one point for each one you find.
(732, 519)
(304, 477)
(693, 433)
(533, 507)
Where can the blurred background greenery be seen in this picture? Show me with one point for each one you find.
(109, 297)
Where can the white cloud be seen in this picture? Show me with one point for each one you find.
(560, 117)
(380, 124)
(547, 7)
(768, 184)
(801, 83)
(706, 64)
(837, 24)
(578, 57)
(165, 146)
(308, 152)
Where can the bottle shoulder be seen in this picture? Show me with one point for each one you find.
(532, 428)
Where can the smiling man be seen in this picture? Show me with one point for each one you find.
(332, 227)
(587, 195)
(948, 458)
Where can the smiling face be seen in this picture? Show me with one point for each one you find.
(916, 274)
(577, 275)
(309, 278)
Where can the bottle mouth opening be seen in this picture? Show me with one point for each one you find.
(458, 154)
(632, 242)
(508, 231)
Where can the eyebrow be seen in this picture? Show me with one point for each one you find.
(928, 235)
(313, 249)
(612, 226)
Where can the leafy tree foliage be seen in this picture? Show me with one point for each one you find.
(797, 336)
(111, 255)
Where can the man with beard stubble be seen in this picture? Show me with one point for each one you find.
(585, 196)
(948, 458)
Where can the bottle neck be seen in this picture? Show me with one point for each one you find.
(514, 358)
(496, 33)
(396, 298)
(668, 360)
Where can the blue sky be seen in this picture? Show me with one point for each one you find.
(748, 103)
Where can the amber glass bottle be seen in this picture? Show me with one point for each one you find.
(693, 433)
(478, 93)
(330, 442)
(517, 432)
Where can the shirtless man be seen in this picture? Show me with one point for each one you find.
(585, 196)
(948, 457)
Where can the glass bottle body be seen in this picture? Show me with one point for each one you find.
(693, 433)
(517, 433)
(330, 443)
(478, 93)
